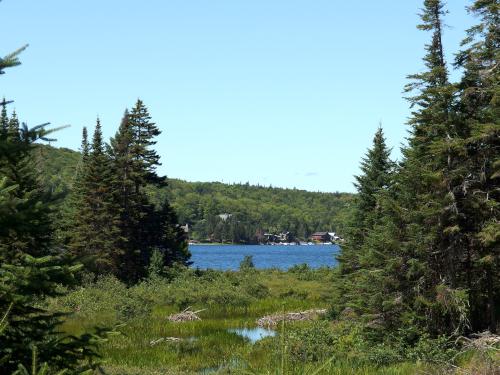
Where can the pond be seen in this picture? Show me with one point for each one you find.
(253, 334)
(228, 257)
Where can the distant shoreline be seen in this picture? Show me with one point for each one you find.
(258, 244)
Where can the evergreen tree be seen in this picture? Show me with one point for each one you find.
(67, 225)
(11, 60)
(30, 269)
(409, 266)
(376, 168)
(13, 127)
(143, 227)
(95, 229)
(129, 201)
(359, 262)
(429, 195)
(4, 120)
(480, 111)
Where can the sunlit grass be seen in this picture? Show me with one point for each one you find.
(206, 346)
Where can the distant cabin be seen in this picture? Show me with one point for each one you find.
(321, 237)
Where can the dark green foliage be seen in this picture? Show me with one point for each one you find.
(423, 252)
(376, 177)
(479, 110)
(143, 226)
(4, 120)
(254, 210)
(30, 269)
(365, 253)
(109, 219)
(94, 230)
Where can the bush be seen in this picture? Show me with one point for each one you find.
(107, 296)
(427, 349)
(312, 342)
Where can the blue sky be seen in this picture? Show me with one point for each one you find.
(274, 92)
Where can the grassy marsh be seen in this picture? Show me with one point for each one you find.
(231, 300)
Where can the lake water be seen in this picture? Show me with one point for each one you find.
(228, 257)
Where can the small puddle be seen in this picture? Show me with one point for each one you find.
(253, 334)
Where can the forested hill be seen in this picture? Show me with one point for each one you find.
(227, 212)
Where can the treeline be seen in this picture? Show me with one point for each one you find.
(243, 213)
(247, 211)
(423, 253)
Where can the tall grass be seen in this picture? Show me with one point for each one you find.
(232, 300)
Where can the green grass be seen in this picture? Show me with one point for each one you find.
(231, 300)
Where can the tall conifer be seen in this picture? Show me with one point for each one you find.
(143, 227)
(362, 259)
(480, 111)
(95, 227)
(30, 269)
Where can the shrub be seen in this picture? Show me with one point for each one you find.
(312, 342)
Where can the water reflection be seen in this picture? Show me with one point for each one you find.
(253, 334)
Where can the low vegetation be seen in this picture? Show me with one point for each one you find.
(149, 343)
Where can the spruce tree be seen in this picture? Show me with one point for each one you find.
(13, 127)
(4, 120)
(128, 200)
(95, 228)
(480, 111)
(362, 259)
(376, 168)
(67, 225)
(30, 269)
(430, 194)
(143, 226)
(409, 265)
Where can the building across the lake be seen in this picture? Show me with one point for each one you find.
(321, 237)
(276, 238)
(224, 217)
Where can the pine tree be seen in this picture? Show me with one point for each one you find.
(376, 168)
(30, 269)
(13, 127)
(128, 199)
(66, 225)
(4, 120)
(409, 265)
(95, 228)
(480, 111)
(143, 226)
(362, 259)
(430, 194)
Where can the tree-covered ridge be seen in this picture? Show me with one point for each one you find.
(253, 209)
(256, 209)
